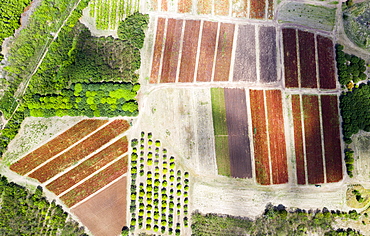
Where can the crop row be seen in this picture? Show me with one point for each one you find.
(80, 151)
(56, 145)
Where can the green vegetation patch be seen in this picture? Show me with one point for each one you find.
(219, 111)
(276, 220)
(355, 23)
(222, 155)
(26, 213)
(317, 17)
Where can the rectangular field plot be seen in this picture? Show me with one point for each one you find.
(237, 125)
(290, 58)
(189, 51)
(261, 152)
(221, 7)
(224, 50)
(298, 139)
(171, 51)
(245, 55)
(55, 146)
(307, 59)
(267, 41)
(332, 146)
(204, 7)
(88, 167)
(312, 132)
(158, 46)
(95, 183)
(184, 6)
(207, 51)
(80, 151)
(257, 9)
(326, 63)
(277, 136)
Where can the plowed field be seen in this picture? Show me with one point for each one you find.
(298, 139)
(307, 59)
(290, 58)
(325, 49)
(224, 49)
(157, 54)
(267, 41)
(257, 9)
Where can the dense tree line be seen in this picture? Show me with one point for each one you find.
(276, 220)
(26, 213)
(10, 15)
(10, 130)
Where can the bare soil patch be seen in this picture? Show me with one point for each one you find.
(224, 50)
(298, 140)
(268, 52)
(326, 62)
(257, 9)
(158, 46)
(307, 59)
(290, 58)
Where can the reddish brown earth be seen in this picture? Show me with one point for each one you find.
(307, 59)
(207, 51)
(171, 51)
(277, 136)
(157, 50)
(204, 7)
(222, 7)
(164, 6)
(88, 167)
(237, 125)
(314, 160)
(95, 183)
(245, 54)
(189, 51)
(105, 213)
(257, 9)
(184, 6)
(267, 42)
(260, 144)
(290, 58)
(224, 50)
(270, 9)
(333, 154)
(80, 151)
(298, 139)
(56, 145)
(325, 49)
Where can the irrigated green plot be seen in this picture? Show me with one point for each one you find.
(219, 111)
(222, 155)
(317, 17)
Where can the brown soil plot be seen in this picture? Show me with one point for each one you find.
(333, 154)
(105, 213)
(245, 55)
(260, 144)
(224, 50)
(298, 139)
(277, 136)
(270, 9)
(189, 51)
(267, 41)
(325, 50)
(257, 9)
(312, 132)
(237, 125)
(222, 7)
(204, 7)
(307, 59)
(185, 6)
(88, 167)
(164, 6)
(240, 10)
(56, 145)
(207, 51)
(290, 58)
(157, 54)
(171, 51)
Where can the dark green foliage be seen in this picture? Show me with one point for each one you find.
(10, 130)
(24, 213)
(350, 67)
(348, 158)
(10, 15)
(8, 104)
(342, 232)
(132, 29)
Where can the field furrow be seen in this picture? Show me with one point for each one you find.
(224, 50)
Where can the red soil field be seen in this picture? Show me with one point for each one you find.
(88, 167)
(189, 51)
(307, 59)
(257, 9)
(333, 154)
(207, 51)
(290, 58)
(270, 9)
(325, 50)
(237, 125)
(157, 50)
(298, 139)
(314, 160)
(95, 183)
(105, 213)
(184, 6)
(164, 6)
(56, 145)
(80, 151)
(204, 7)
(171, 51)
(222, 7)
(260, 144)
(224, 50)
(277, 136)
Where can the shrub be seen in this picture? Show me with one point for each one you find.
(134, 142)
(142, 172)
(186, 200)
(149, 201)
(150, 154)
(149, 174)
(179, 173)
(150, 162)
(164, 150)
(142, 134)
(186, 187)
(148, 227)
(150, 135)
(164, 170)
(186, 174)
(155, 228)
(186, 181)
(172, 178)
(172, 165)
(142, 140)
(150, 142)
